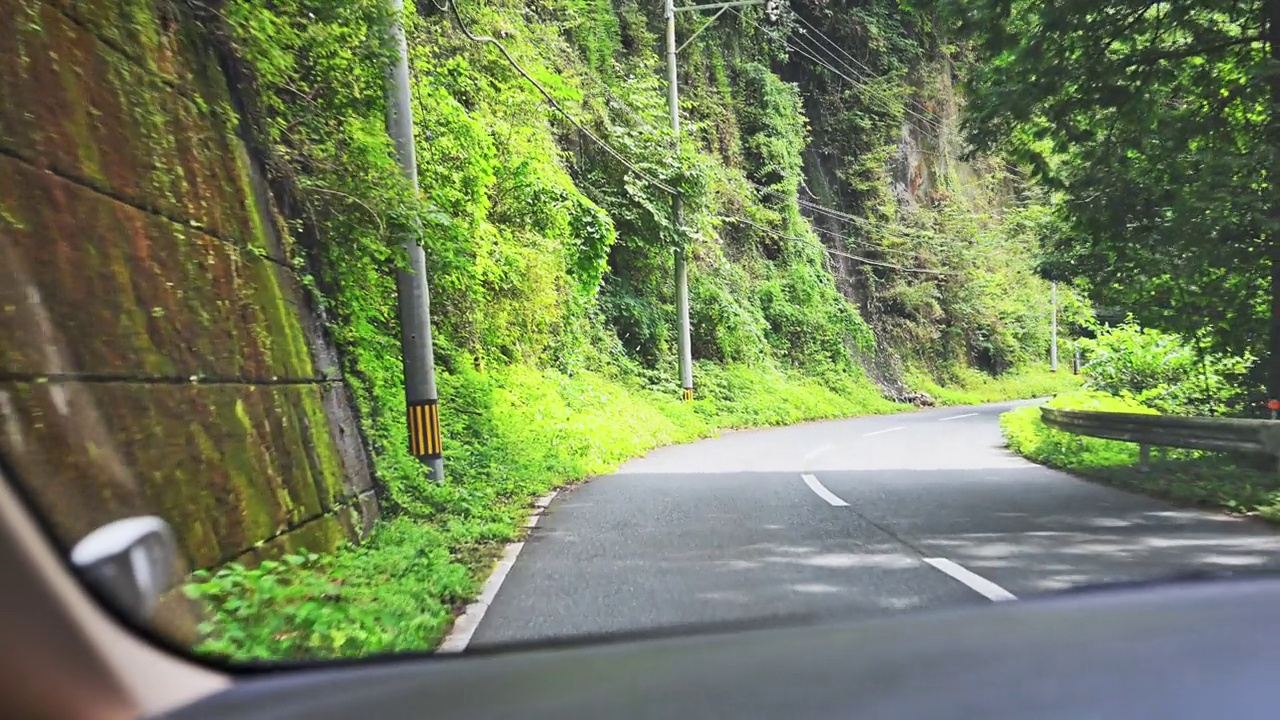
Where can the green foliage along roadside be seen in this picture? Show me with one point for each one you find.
(517, 433)
(1163, 371)
(1028, 436)
(550, 266)
(393, 593)
(1155, 123)
(1201, 479)
(970, 387)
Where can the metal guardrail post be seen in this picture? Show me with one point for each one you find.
(1144, 457)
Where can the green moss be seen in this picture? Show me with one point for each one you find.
(80, 118)
(248, 501)
(323, 534)
(114, 103)
(328, 472)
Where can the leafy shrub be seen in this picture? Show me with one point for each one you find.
(1162, 371)
(396, 592)
(753, 396)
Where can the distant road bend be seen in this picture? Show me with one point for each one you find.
(840, 519)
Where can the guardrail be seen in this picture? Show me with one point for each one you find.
(1252, 437)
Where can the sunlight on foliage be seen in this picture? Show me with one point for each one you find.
(1163, 371)
(550, 263)
(1028, 436)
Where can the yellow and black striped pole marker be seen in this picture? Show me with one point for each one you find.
(688, 394)
(424, 429)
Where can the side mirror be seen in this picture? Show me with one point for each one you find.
(131, 562)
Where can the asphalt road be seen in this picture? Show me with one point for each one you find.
(841, 519)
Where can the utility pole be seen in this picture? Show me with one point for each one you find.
(1053, 328)
(412, 298)
(677, 205)
(677, 212)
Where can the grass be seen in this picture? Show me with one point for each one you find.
(1199, 479)
(512, 434)
(970, 387)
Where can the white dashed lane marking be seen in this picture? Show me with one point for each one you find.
(822, 492)
(976, 582)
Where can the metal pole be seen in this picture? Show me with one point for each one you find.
(677, 208)
(1053, 344)
(412, 298)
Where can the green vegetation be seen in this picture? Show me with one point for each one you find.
(1028, 436)
(529, 431)
(393, 593)
(550, 262)
(970, 387)
(1163, 371)
(1181, 476)
(1138, 370)
(1156, 126)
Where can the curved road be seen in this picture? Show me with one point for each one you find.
(837, 519)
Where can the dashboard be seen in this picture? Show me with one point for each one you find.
(1204, 649)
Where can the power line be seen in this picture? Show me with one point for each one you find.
(619, 102)
(832, 251)
(819, 209)
(844, 217)
(812, 55)
(452, 7)
(823, 36)
(862, 82)
(805, 51)
(835, 45)
(881, 248)
(831, 42)
(841, 216)
(551, 100)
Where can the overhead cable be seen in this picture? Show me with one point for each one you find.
(809, 53)
(822, 36)
(833, 251)
(844, 217)
(462, 25)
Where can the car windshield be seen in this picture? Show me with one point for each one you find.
(332, 328)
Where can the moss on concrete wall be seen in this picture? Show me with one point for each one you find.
(155, 351)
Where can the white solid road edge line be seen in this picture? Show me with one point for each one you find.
(822, 492)
(957, 417)
(881, 432)
(976, 582)
(469, 621)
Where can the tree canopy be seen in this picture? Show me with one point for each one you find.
(1155, 122)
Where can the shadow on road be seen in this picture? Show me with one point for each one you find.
(642, 550)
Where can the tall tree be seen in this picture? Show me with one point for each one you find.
(1158, 121)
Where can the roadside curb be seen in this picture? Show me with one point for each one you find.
(465, 626)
